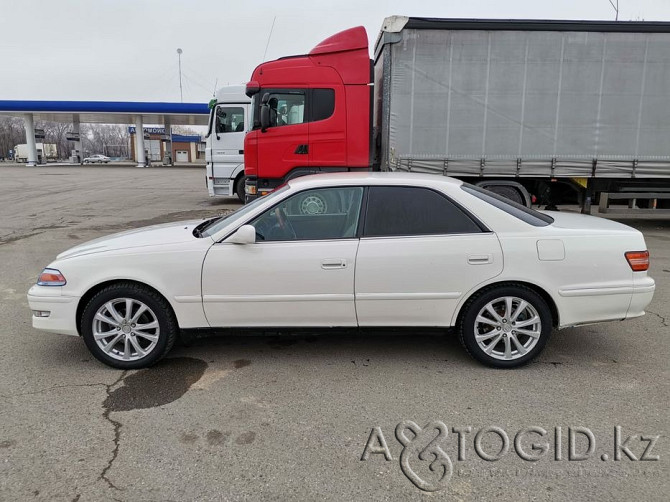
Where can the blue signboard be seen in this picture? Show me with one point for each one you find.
(148, 130)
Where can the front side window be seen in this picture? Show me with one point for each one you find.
(323, 213)
(210, 228)
(413, 211)
(229, 119)
(287, 109)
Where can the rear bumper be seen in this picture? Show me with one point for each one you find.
(604, 302)
(643, 292)
(62, 312)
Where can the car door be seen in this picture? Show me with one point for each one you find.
(419, 254)
(300, 270)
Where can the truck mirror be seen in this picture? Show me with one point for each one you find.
(265, 117)
(265, 98)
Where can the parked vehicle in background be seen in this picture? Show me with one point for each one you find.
(45, 152)
(97, 159)
(427, 251)
(229, 119)
(559, 109)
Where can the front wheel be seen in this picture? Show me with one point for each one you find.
(505, 326)
(239, 188)
(128, 326)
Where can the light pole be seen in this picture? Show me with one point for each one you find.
(181, 93)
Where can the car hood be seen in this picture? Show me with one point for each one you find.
(585, 222)
(167, 233)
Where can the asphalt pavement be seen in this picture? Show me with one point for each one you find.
(314, 416)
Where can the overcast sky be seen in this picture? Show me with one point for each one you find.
(127, 49)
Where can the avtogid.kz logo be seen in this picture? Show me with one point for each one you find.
(426, 464)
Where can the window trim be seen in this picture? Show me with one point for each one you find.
(483, 228)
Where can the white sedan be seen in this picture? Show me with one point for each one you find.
(353, 250)
(97, 159)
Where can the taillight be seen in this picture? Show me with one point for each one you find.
(638, 260)
(51, 277)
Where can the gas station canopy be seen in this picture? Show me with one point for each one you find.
(109, 112)
(104, 112)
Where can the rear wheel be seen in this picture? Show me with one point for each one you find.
(128, 326)
(506, 326)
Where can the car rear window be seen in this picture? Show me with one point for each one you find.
(530, 216)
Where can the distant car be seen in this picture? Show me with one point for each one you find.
(97, 159)
(353, 250)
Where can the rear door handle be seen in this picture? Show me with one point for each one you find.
(480, 259)
(333, 264)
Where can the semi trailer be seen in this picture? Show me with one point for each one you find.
(534, 110)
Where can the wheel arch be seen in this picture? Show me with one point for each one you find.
(555, 319)
(94, 290)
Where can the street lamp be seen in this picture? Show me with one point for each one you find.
(181, 94)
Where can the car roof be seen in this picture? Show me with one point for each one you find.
(373, 178)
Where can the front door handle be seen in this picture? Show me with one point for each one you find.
(480, 259)
(302, 150)
(333, 264)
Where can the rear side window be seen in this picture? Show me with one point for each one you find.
(535, 218)
(407, 211)
(323, 104)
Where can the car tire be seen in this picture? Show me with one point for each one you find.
(239, 188)
(505, 326)
(134, 340)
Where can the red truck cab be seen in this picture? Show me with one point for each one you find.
(311, 113)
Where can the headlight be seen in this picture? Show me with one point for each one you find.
(51, 277)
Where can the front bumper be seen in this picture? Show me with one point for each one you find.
(62, 310)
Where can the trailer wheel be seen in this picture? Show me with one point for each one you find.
(507, 192)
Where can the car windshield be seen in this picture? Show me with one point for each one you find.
(214, 226)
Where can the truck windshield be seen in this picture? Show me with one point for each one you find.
(215, 225)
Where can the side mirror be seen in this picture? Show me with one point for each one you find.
(246, 234)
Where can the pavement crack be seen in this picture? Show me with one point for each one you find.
(117, 435)
(664, 320)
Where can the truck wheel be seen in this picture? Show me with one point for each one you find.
(239, 188)
(505, 327)
(507, 192)
(128, 326)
